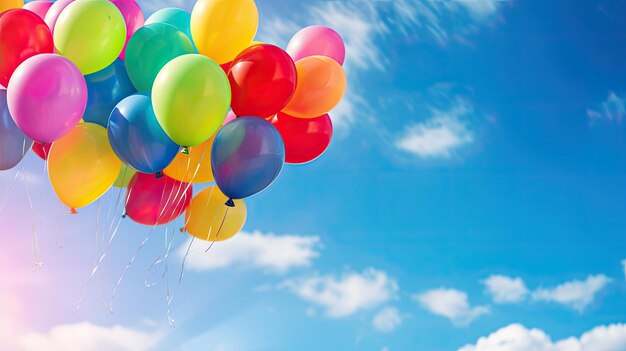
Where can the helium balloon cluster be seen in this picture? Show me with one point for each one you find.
(109, 98)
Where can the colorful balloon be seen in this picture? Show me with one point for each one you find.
(194, 167)
(55, 11)
(154, 201)
(229, 118)
(150, 49)
(13, 143)
(221, 29)
(207, 218)
(90, 33)
(39, 7)
(133, 17)
(191, 97)
(248, 155)
(106, 89)
(10, 4)
(317, 40)
(321, 86)
(137, 138)
(22, 35)
(82, 166)
(47, 97)
(305, 138)
(175, 17)
(42, 150)
(125, 176)
(262, 80)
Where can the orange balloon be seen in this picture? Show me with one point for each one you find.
(321, 86)
(194, 167)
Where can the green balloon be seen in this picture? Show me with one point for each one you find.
(173, 16)
(191, 97)
(125, 176)
(150, 48)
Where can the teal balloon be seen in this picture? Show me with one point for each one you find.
(173, 16)
(150, 48)
(105, 89)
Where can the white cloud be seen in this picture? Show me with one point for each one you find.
(481, 8)
(345, 295)
(577, 294)
(503, 289)
(452, 304)
(387, 320)
(516, 337)
(624, 265)
(611, 109)
(88, 337)
(269, 252)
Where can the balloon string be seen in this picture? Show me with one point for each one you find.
(35, 240)
(219, 230)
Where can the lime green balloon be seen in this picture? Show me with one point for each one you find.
(125, 176)
(191, 97)
(91, 34)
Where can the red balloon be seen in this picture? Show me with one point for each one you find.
(23, 34)
(42, 150)
(152, 200)
(305, 138)
(226, 66)
(262, 79)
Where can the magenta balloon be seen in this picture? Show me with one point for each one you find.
(317, 40)
(39, 7)
(132, 16)
(54, 12)
(47, 96)
(231, 116)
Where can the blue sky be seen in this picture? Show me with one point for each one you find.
(475, 190)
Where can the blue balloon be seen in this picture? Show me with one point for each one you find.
(13, 143)
(106, 89)
(137, 138)
(248, 155)
(173, 16)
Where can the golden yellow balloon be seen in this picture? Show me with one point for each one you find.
(194, 167)
(221, 29)
(82, 166)
(207, 212)
(10, 4)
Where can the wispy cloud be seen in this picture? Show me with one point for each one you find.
(503, 289)
(624, 266)
(387, 320)
(516, 337)
(576, 294)
(342, 296)
(613, 109)
(452, 304)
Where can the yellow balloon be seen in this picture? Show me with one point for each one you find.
(194, 167)
(221, 29)
(207, 212)
(10, 4)
(82, 166)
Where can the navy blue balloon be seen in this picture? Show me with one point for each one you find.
(137, 138)
(13, 143)
(248, 155)
(106, 89)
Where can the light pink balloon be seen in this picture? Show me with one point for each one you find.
(54, 12)
(317, 40)
(47, 96)
(132, 16)
(40, 7)
(231, 116)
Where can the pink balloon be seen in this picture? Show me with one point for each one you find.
(231, 116)
(39, 7)
(47, 96)
(54, 12)
(132, 16)
(317, 40)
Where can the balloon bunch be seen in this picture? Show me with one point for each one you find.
(108, 98)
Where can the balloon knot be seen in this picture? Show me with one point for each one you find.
(159, 175)
(124, 215)
(185, 150)
(73, 211)
(230, 203)
(183, 229)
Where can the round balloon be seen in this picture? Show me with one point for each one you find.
(317, 40)
(106, 89)
(13, 143)
(150, 49)
(262, 80)
(124, 177)
(90, 33)
(191, 97)
(10, 4)
(82, 166)
(137, 138)
(175, 17)
(207, 218)
(221, 29)
(154, 201)
(55, 11)
(305, 138)
(41, 150)
(321, 86)
(194, 167)
(133, 17)
(47, 97)
(22, 35)
(248, 155)
(39, 7)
